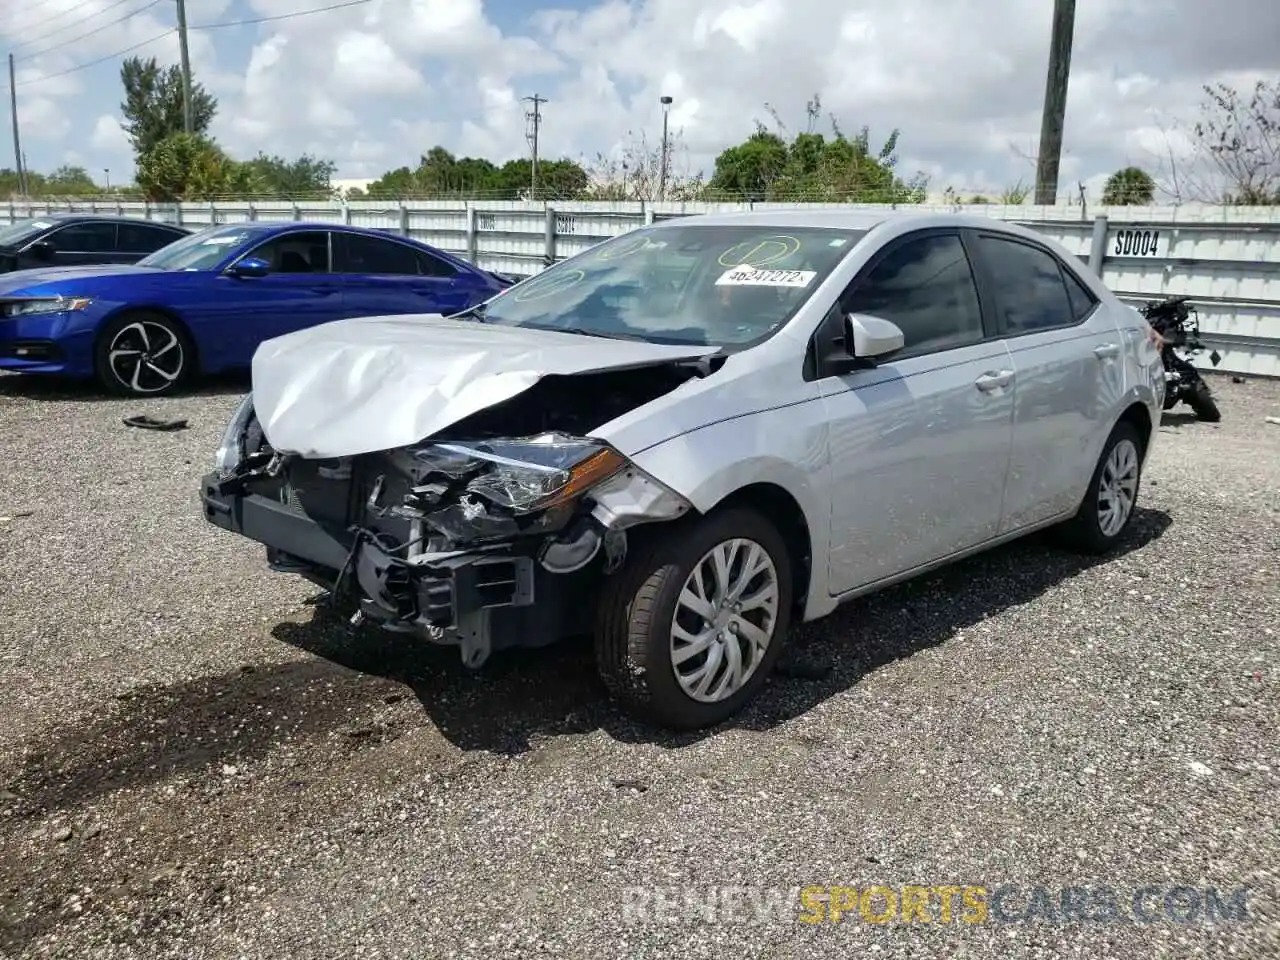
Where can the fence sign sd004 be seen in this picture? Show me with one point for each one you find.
(1134, 242)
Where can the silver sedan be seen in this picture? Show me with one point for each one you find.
(690, 437)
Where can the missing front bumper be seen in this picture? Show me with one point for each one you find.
(480, 601)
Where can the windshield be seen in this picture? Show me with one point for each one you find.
(13, 234)
(729, 286)
(200, 251)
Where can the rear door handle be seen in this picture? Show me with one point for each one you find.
(1107, 351)
(994, 381)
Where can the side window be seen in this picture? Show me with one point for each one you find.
(144, 238)
(430, 266)
(1030, 291)
(304, 251)
(84, 238)
(358, 254)
(1081, 297)
(926, 287)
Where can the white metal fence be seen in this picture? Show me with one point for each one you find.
(1227, 259)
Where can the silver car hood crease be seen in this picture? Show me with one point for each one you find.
(376, 383)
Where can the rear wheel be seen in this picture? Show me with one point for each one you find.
(1202, 402)
(143, 355)
(693, 624)
(1107, 509)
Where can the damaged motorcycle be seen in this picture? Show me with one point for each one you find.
(1178, 324)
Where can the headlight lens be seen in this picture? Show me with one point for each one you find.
(29, 308)
(231, 450)
(525, 475)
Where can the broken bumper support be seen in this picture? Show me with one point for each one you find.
(479, 600)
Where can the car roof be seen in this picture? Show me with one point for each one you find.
(846, 219)
(103, 218)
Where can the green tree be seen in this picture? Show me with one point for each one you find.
(152, 106)
(68, 181)
(1131, 186)
(770, 165)
(306, 177)
(187, 166)
(440, 174)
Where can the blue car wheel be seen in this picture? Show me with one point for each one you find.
(143, 354)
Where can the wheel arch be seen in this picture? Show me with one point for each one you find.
(1138, 415)
(777, 505)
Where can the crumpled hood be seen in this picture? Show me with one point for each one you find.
(376, 383)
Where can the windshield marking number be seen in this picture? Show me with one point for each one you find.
(752, 277)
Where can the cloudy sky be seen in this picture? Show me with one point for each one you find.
(374, 85)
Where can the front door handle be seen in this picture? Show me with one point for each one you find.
(1107, 351)
(994, 381)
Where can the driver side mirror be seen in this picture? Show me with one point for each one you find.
(42, 250)
(249, 267)
(871, 338)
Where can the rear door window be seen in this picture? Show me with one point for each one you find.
(1030, 292)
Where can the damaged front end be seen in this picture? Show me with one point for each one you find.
(487, 543)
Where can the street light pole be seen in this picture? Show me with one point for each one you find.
(666, 147)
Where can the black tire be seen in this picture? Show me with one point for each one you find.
(1201, 401)
(636, 612)
(175, 357)
(1084, 532)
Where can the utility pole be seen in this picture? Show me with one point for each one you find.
(1055, 102)
(666, 147)
(188, 124)
(534, 118)
(19, 166)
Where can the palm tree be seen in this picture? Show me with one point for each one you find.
(1131, 186)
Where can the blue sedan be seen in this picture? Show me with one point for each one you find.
(202, 304)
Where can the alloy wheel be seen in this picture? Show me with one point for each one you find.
(725, 620)
(1117, 488)
(146, 356)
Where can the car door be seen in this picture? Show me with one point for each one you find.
(81, 244)
(1066, 354)
(384, 276)
(920, 443)
(299, 291)
(135, 240)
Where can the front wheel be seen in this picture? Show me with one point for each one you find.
(143, 355)
(1107, 508)
(691, 627)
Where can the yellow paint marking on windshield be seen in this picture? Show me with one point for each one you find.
(761, 253)
(540, 289)
(626, 249)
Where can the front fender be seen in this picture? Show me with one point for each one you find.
(786, 448)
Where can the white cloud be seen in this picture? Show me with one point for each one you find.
(108, 139)
(374, 86)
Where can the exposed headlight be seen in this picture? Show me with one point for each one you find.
(231, 450)
(525, 475)
(28, 308)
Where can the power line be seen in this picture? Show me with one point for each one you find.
(94, 63)
(282, 16)
(84, 3)
(64, 43)
(206, 26)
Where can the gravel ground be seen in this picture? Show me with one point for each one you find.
(195, 763)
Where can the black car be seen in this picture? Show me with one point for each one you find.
(73, 239)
